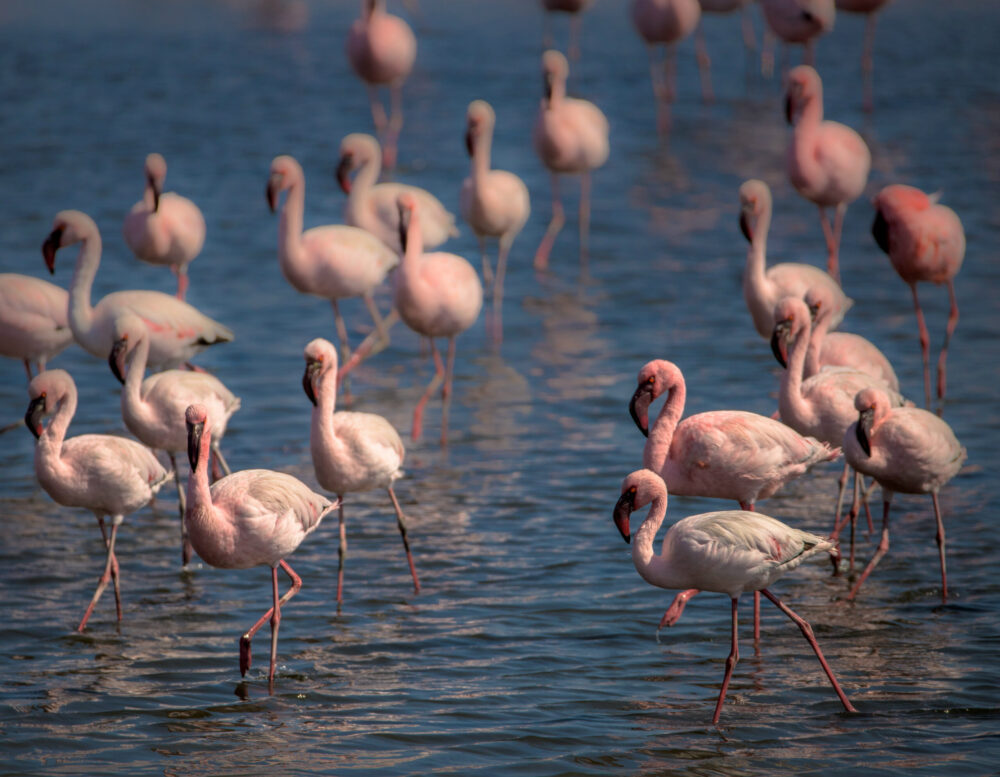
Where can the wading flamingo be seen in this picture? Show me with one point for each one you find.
(665, 22)
(729, 552)
(905, 449)
(437, 295)
(249, 518)
(111, 476)
(33, 320)
(716, 7)
(351, 452)
(153, 409)
(177, 331)
(570, 136)
(795, 21)
(494, 203)
(725, 454)
(925, 242)
(869, 8)
(381, 48)
(575, 9)
(827, 162)
(763, 286)
(164, 229)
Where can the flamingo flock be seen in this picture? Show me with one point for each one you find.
(838, 397)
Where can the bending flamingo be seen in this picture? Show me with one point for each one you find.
(925, 242)
(247, 519)
(827, 162)
(869, 8)
(795, 21)
(730, 552)
(575, 9)
(437, 295)
(164, 229)
(108, 475)
(351, 452)
(665, 22)
(570, 136)
(33, 320)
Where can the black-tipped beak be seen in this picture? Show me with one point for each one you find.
(116, 359)
(547, 80)
(50, 246)
(638, 406)
(788, 109)
(344, 173)
(880, 231)
(404, 227)
(745, 226)
(273, 190)
(778, 343)
(863, 428)
(312, 368)
(468, 141)
(194, 443)
(33, 417)
(624, 508)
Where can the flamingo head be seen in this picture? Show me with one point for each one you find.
(755, 205)
(321, 357)
(156, 174)
(654, 378)
(638, 490)
(407, 205)
(819, 301)
(804, 86)
(45, 391)
(480, 119)
(128, 331)
(195, 418)
(791, 316)
(356, 149)
(285, 171)
(68, 227)
(870, 403)
(555, 69)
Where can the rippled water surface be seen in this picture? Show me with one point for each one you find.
(532, 647)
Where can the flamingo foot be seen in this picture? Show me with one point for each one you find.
(244, 654)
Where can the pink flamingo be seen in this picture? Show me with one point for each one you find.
(350, 451)
(716, 7)
(33, 323)
(334, 262)
(725, 454)
(925, 242)
(373, 206)
(869, 8)
(381, 48)
(109, 475)
(494, 203)
(665, 22)
(827, 162)
(164, 228)
(249, 518)
(575, 9)
(841, 349)
(729, 552)
(153, 408)
(437, 295)
(177, 331)
(905, 449)
(763, 286)
(570, 136)
(795, 21)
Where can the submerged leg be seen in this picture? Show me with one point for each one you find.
(391, 149)
(487, 270)
(882, 549)
(659, 93)
(553, 229)
(401, 523)
(585, 223)
(734, 656)
(940, 544)
(446, 390)
(502, 252)
(831, 244)
(109, 564)
(273, 615)
(341, 550)
(418, 411)
(186, 549)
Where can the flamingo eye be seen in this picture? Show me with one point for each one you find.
(631, 489)
(651, 379)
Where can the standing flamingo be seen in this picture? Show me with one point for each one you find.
(869, 8)
(725, 454)
(575, 9)
(164, 228)
(334, 262)
(795, 21)
(437, 295)
(33, 320)
(177, 331)
(153, 409)
(350, 451)
(373, 206)
(729, 552)
(494, 203)
(763, 286)
(827, 162)
(109, 475)
(925, 242)
(905, 449)
(570, 136)
(381, 48)
(246, 519)
(665, 22)
(716, 7)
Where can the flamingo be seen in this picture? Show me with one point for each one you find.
(795, 21)
(494, 203)
(665, 22)
(111, 476)
(350, 451)
(33, 323)
(575, 9)
(153, 408)
(729, 552)
(763, 286)
(828, 163)
(437, 295)
(373, 207)
(905, 449)
(333, 262)
(164, 228)
(925, 242)
(570, 136)
(869, 8)
(177, 331)
(716, 7)
(381, 48)
(725, 454)
(249, 518)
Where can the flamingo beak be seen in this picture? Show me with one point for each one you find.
(863, 428)
(880, 231)
(548, 87)
(116, 359)
(624, 508)
(745, 227)
(788, 109)
(49, 248)
(156, 194)
(344, 172)
(194, 442)
(404, 227)
(273, 190)
(638, 406)
(33, 417)
(779, 342)
(312, 369)
(468, 140)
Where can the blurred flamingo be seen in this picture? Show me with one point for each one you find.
(665, 22)
(795, 21)
(33, 320)
(575, 9)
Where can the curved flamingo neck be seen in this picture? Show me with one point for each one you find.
(820, 327)
(52, 437)
(200, 509)
(558, 92)
(135, 374)
(811, 113)
(481, 153)
(657, 450)
(410, 261)
(652, 568)
(756, 267)
(148, 196)
(792, 403)
(81, 314)
(290, 251)
(361, 187)
(323, 435)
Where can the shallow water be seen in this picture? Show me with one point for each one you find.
(532, 647)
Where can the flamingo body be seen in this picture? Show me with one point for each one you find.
(33, 320)
(665, 21)
(799, 21)
(381, 47)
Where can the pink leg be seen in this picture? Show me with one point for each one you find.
(949, 331)
(734, 656)
(940, 544)
(377, 341)
(925, 344)
(504, 249)
(882, 549)
(575, 27)
(659, 93)
(673, 613)
(391, 149)
(868, 64)
(273, 615)
(186, 549)
(341, 551)
(182, 280)
(749, 38)
(27, 369)
(704, 65)
(807, 632)
(115, 577)
(864, 500)
(670, 73)
(109, 565)
(838, 228)
(749, 506)
(585, 222)
(487, 270)
(401, 523)
(418, 411)
(555, 225)
(809, 53)
(446, 390)
(378, 113)
(831, 245)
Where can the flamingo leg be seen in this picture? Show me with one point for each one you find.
(584, 221)
(882, 549)
(838, 228)
(487, 270)
(575, 28)
(114, 570)
(670, 73)
(749, 38)
(734, 656)
(659, 93)
(110, 565)
(868, 65)
(345, 348)
(555, 225)
(925, 344)
(673, 613)
(940, 544)
(341, 551)
(864, 500)
(418, 411)
(378, 113)
(807, 632)
(852, 516)
(375, 342)
(949, 331)
(401, 523)
(186, 549)
(391, 148)
(273, 615)
(27, 369)
(182, 280)
(749, 506)
(704, 65)
(809, 53)
(767, 53)
(220, 459)
(446, 390)
(502, 252)
(831, 244)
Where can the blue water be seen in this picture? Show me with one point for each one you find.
(532, 647)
